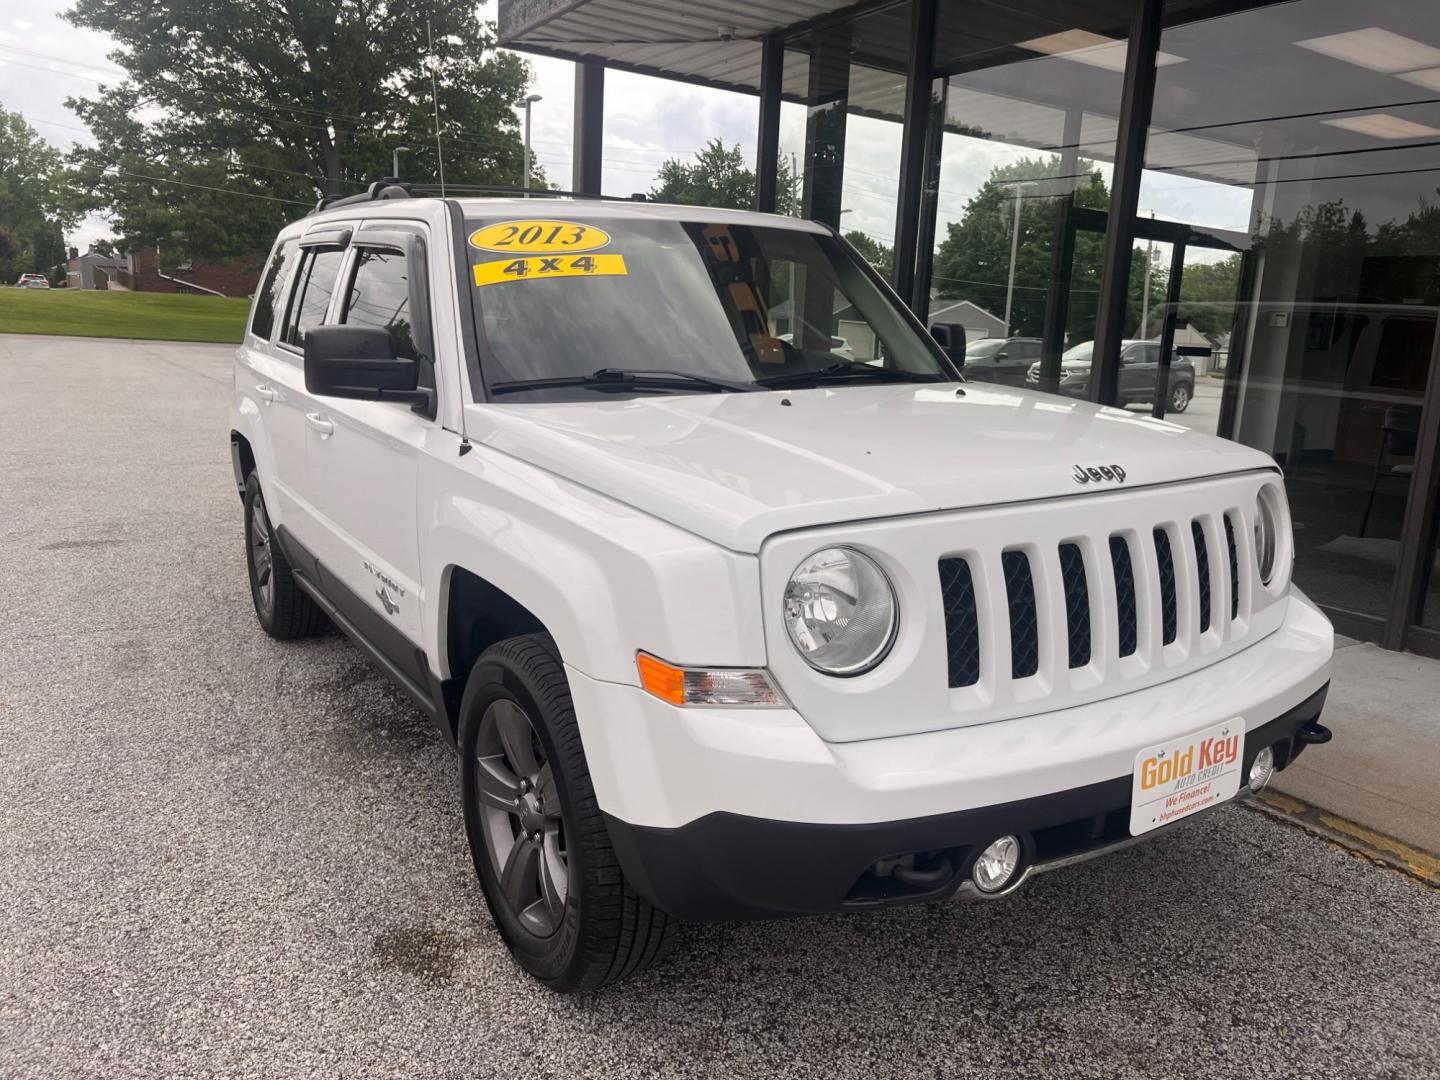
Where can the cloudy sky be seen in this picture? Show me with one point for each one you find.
(44, 60)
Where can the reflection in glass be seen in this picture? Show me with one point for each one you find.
(1277, 121)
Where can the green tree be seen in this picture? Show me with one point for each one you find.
(878, 255)
(720, 177)
(33, 208)
(262, 105)
(973, 261)
(1208, 292)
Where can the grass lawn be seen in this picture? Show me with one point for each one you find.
(158, 316)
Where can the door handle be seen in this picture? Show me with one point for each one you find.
(266, 392)
(325, 427)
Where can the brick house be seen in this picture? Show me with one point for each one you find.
(142, 271)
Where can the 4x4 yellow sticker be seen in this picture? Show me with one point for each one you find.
(549, 266)
(538, 237)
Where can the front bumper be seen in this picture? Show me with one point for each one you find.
(727, 866)
(723, 813)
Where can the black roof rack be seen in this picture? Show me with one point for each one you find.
(394, 188)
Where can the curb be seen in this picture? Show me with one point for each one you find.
(1357, 839)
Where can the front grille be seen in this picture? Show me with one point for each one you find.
(1166, 566)
(962, 622)
(1077, 603)
(1234, 569)
(1124, 594)
(1202, 572)
(1024, 620)
(1161, 590)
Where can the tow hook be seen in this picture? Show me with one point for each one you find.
(1313, 734)
(924, 879)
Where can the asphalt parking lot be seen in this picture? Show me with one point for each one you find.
(223, 856)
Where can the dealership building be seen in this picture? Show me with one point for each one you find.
(1255, 187)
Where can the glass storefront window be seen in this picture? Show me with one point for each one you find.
(1024, 181)
(844, 143)
(1299, 134)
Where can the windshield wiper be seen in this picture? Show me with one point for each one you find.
(845, 369)
(621, 378)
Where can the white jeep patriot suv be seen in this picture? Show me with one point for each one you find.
(728, 621)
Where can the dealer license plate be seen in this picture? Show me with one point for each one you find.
(1186, 775)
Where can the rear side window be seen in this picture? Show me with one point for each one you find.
(267, 299)
(312, 294)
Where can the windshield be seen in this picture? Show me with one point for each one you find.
(712, 307)
(1078, 352)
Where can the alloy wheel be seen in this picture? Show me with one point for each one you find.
(1179, 398)
(520, 813)
(261, 556)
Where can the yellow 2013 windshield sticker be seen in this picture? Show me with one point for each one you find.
(549, 266)
(538, 237)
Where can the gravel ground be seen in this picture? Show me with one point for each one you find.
(224, 856)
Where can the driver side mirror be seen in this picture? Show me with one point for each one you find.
(951, 339)
(359, 362)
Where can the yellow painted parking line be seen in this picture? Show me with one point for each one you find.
(1387, 850)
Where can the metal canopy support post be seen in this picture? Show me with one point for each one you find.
(586, 159)
(913, 144)
(1137, 94)
(828, 95)
(1422, 509)
(1167, 334)
(919, 298)
(1062, 257)
(767, 136)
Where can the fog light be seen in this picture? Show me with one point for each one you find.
(1261, 769)
(997, 864)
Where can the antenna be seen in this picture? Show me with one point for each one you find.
(435, 100)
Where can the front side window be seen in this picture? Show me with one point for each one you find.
(311, 299)
(716, 306)
(379, 297)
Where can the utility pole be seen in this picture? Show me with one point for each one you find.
(1145, 297)
(1014, 251)
(525, 181)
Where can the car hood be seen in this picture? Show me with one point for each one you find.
(736, 468)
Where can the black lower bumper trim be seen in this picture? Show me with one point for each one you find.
(728, 866)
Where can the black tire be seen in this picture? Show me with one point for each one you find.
(600, 930)
(285, 612)
(1181, 394)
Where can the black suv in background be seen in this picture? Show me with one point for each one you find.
(1001, 360)
(1139, 374)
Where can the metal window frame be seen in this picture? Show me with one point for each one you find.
(1137, 94)
(767, 135)
(914, 148)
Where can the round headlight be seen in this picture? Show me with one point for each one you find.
(840, 611)
(1267, 531)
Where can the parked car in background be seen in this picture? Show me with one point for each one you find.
(838, 345)
(32, 281)
(1001, 360)
(1139, 375)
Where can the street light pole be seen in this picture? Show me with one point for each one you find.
(525, 182)
(1014, 251)
(395, 160)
